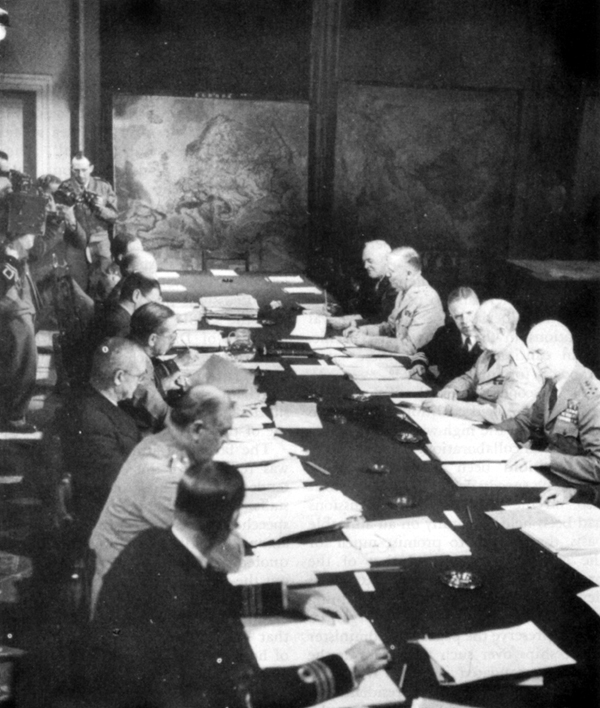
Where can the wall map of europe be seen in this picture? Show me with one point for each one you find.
(220, 175)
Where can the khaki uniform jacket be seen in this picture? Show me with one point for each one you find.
(416, 317)
(571, 429)
(501, 390)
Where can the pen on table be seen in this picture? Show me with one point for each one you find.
(319, 469)
(402, 676)
(469, 513)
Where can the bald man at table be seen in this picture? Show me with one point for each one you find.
(565, 418)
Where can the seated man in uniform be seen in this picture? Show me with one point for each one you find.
(96, 434)
(564, 420)
(143, 494)
(376, 300)
(180, 639)
(417, 314)
(454, 348)
(503, 380)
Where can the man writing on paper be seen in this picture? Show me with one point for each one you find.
(417, 314)
(503, 380)
(565, 418)
(454, 348)
(376, 301)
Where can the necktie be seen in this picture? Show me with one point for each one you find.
(552, 397)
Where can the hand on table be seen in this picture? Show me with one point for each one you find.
(315, 607)
(358, 338)
(435, 405)
(189, 360)
(525, 459)
(448, 393)
(176, 381)
(368, 657)
(557, 495)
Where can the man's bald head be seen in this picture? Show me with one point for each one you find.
(140, 262)
(375, 255)
(550, 344)
(496, 325)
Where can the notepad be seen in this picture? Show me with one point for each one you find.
(291, 414)
(278, 642)
(285, 473)
(498, 652)
(493, 474)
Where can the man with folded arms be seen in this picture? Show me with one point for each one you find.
(503, 380)
(417, 314)
(375, 301)
(565, 419)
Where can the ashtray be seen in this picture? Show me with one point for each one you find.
(413, 438)
(377, 468)
(461, 579)
(402, 501)
(227, 280)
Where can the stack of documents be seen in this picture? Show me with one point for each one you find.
(432, 422)
(498, 652)
(390, 387)
(279, 642)
(417, 537)
(255, 419)
(287, 473)
(230, 306)
(382, 368)
(259, 525)
(294, 560)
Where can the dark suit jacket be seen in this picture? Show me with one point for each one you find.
(97, 438)
(167, 632)
(446, 352)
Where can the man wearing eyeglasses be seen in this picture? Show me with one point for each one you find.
(97, 435)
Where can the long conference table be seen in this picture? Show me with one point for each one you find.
(521, 581)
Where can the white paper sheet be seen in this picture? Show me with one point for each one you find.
(592, 598)
(308, 289)
(380, 369)
(223, 272)
(399, 538)
(390, 387)
(318, 344)
(262, 365)
(499, 652)
(292, 560)
(472, 446)
(43, 338)
(253, 418)
(588, 564)
(254, 435)
(217, 322)
(565, 537)
(493, 474)
(517, 518)
(285, 473)
(201, 338)
(310, 326)
(280, 497)
(284, 279)
(434, 423)
(279, 641)
(251, 453)
(316, 370)
(258, 525)
(173, 288)
(292, 414)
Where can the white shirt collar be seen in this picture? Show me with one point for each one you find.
(185, 537)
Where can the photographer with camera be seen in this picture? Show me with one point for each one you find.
(92, 211)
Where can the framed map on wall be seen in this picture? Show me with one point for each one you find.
(210, 174)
